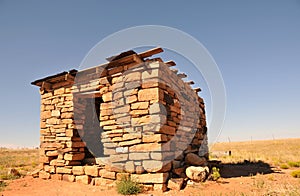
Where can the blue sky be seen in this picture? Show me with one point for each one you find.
(256, 45)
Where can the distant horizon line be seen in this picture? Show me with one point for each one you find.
(19, 147)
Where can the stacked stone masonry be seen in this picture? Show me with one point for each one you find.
(133, 116)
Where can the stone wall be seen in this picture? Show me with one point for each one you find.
(152, 124)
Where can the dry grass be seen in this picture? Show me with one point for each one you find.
(274, 152)
(24, 160)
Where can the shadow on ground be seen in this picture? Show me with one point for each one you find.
(246, 168)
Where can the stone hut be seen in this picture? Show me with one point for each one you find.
(133, 116)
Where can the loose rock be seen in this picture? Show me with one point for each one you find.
(197, 174)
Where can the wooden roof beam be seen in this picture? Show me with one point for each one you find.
(190, 82)
(170, 63)
(182, 75)
(197, 90)
(150, 52)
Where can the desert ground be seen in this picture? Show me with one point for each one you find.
(253, 168)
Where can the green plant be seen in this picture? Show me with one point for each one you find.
(9, 177)
(284, 166)
(296, 174)
(2, 185)
(294, 164)
(215, 174)
(127, 186)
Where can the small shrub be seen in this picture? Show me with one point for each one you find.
(296, 174)
(284, 166)
(294, 164)
(215, 174)
(2, 185)
(9, 177)
(127, 186)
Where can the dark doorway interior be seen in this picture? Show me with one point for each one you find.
(92, 129)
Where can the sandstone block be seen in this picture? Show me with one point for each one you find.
(56, 176)
(145, 147)
(148, 94)
(118, 157)
(55, 113)
(72, 144)
(45, 115)
(139, 169)
(78, 170)
(175, 183)
(44, 175)
(130, 167)
(52, 153)
(157, 166)
(59, 91)
(131, 99)
(107, 96)
(92, 170)
(104, 182)
(168, 130)
(139, 156)
(193, 159)
(68, 178)
(83, 179)
(140, 105)
(120, 176)
(67, 115)
(134, 76)
(63, 170)
(140, 121)
(130, 142)
(74, 157)
(153, 138)
(158, 178)
(107, 174)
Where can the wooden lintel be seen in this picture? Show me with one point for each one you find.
(190, 82)
(182, 75)
(150, 52)
(170, 63)
(197, 90)
(90, 94)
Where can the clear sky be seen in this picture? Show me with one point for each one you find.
(256, 45)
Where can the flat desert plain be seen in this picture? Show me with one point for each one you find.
(253, 168)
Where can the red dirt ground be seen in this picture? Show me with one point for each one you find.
(278, 182)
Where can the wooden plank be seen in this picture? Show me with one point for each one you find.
(46, 86)
(151, 52)
(90, 94)
(190, 82)
(182, 75)
(197, 90)
(170, 63)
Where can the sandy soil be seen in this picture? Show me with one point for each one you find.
(274, 182)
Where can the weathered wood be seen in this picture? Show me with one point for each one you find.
(170, 63)
(182, 75)
(46, 86)
(150, 52)
(197, 90)
(190, 82)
